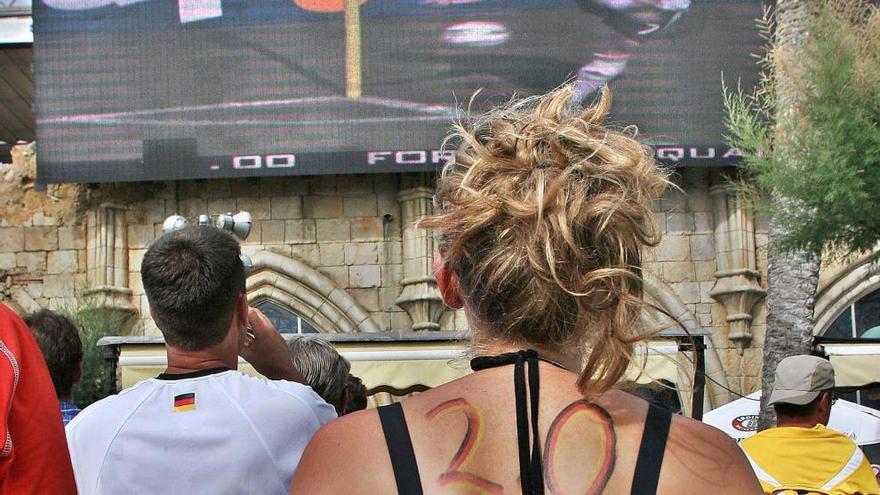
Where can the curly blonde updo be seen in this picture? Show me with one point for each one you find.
(542, 214)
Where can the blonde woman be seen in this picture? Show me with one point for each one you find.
(541, 215)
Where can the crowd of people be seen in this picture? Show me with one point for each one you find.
(247, 435)
(541, 215)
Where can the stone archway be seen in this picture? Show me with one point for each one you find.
(659, 292)
(847, 285)
(293, 283)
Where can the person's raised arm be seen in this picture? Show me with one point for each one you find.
(266, 349)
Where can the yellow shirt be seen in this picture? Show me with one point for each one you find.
(817, 459)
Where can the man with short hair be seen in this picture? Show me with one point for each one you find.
(800, 453)
(201, 426)
(61, 346)
(322, 368)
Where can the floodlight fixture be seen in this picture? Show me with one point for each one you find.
(174, 222)
(238, 224)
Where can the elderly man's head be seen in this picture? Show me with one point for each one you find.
(193, 278)
(802, 391)
(323, 368)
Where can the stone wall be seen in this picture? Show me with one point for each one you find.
(688, 260)
(42, 243)
(347, 228)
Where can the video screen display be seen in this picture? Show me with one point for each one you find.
(130, 90)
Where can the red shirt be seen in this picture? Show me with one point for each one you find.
(33, 457)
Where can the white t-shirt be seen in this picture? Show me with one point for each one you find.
(213, 432)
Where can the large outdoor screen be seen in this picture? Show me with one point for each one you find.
(133, 90)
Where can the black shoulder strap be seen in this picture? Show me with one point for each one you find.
(650, 460)
(403, 458)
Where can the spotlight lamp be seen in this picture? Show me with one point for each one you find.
(172, 223)
(238, 224)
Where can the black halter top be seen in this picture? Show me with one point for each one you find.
(403, 460)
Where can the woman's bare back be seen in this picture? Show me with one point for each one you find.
(464, 436)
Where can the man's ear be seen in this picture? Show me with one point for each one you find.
(829, 399)
(447, 282)
(77, 376)
(824, 406)
(241, 306)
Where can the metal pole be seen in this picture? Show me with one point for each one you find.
(699, 377)
(352, 49)
(111, 357)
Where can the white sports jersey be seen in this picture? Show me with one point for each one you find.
(213, 432)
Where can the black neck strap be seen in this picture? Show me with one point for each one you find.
(530, 465)
(193, 374)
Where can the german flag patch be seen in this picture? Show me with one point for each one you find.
(184, 402)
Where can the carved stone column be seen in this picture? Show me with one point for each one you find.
(736, 284)
(107, 262)
(420, 297)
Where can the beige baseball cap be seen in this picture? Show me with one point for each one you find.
(800, 379)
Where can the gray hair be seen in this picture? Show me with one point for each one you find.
(322, 367)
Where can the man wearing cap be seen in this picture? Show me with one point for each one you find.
(800, 454)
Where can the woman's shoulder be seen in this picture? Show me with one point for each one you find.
(347, 434)
(698, 458)
(345, 456)
(708, 458)
(630, 410)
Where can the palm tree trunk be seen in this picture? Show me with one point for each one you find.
(792, 276)
(792, 279)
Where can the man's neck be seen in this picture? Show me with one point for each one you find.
(189, 361)
(796, 422)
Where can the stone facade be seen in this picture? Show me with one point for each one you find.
(352, 242)
(347, 230)
(42, 239)
(695, 257)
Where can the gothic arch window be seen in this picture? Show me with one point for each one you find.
(285, 319)
(659, 293)
(861, 319)
(853, 285)
(296, 292)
